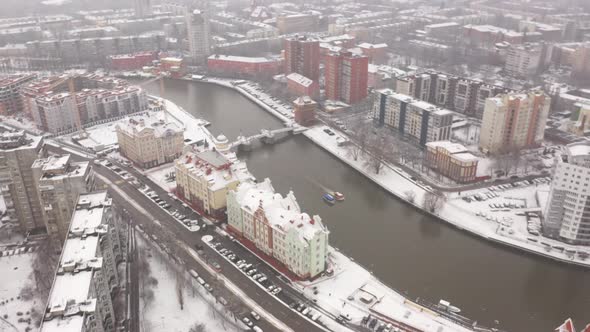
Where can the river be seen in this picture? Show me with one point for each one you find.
(410, 252)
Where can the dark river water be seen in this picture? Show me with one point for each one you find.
(413, 253)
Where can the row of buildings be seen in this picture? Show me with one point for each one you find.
(39, 191)
(216, 183)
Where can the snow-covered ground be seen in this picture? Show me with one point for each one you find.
(354, 293)
(454, 212)
(160, 176)
(17, 294)
(163, 311)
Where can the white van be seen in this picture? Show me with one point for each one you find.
(200, 281)
(257, 329)
(194, 274)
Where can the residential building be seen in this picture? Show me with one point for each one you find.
(276, 226)
(443, 31)
(346, 77)
(197, 24)
(241, 65)
(297, 23)
(302, 56)
(299, 85)
(59, 182)
(527, 59)
(383, 76)
(174, 67)
(514, 121)
(81, 297)
(18, 152)
(581, 61)
(204, 178)
(581, 120)
(451, 160)
(148, 142)
(488, 35)
(304, 109)
(416, 119)
(11, 101)
(77, 100)
(566, 217)
(142, 8)
(134, 61)
(377, 53)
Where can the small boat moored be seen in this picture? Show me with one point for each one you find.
(328, 198)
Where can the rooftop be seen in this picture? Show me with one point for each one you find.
(149, 126)
(242, 58)
(300, 79)
(11, 140)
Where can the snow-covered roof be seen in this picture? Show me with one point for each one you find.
(369, 45)
(216, 168)
(578, 149)
(11, 139)
(283, 213)
(247, 59)
(71, 296)
(300, 79)
(143, 126)
(447, 145)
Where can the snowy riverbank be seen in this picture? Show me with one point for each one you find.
(398, 183)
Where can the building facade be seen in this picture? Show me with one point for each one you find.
(418, 120)
(78, 100)
(299, 85)
(451, 160)
(59, 182)
(347, 77)
(198, 30)
(526, 60)
(302, 56)
(297, 23)
(11, 101)
(149, 144)
(204, 178)
(278, 228)
(514, 121)
(568, 211)
(81, 297)
(241, 65)
(18, 152)
(135, 61)
(304, 109)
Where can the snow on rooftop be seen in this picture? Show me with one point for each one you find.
(300, 79)
(242, 58)
(578, 149)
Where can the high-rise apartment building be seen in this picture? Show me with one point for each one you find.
(568, 211)
(81, 297)
(514, 121)
(346, 77)
(142, 8)
(11, 101)
(277, 227)
(581, 61)
(526, 60)
(198, 30)
(416, 119)
(59, 183)
(302, 56)
(18, 152)
(150, 143)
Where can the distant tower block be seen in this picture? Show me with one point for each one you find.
(198, 34)
(142, 8)
(304, 110)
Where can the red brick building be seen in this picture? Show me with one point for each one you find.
(302, 56)
(377, 53)
(11, 101)
(346, 77)
(304, 110)
(299, 85)
(174, 66)
(452, 160)
(250, 66)
(134, 61)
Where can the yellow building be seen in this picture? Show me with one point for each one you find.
(204, 178)
(150, 143)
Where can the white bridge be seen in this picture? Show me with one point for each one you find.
(266, 136)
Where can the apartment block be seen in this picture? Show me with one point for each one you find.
(59, 183)
(277, 227)
(304, 109)
(204, 178)
(451, 160)
(149, 143)
(566, 217)
(302, 56)
(81, 295)
(346, 77)
(11, 101)
(527, 59)
(18, 152)
(198, 30)
(514, 121)
(416, 119)
(299, 85)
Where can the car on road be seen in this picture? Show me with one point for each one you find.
(277, 290)
(262, 279)
(201, 281)
(215, 266)
(255, 315)
(257, 329)
(194, 274)
(251, 272)
(247, 321)
(208, 287)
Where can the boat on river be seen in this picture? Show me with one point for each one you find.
(328, 198)
(338, 196)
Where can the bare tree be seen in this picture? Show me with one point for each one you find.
(434, 201)
(179, 289)
(44, 266)
(354, 151)
(198, 327)
(377, 150)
